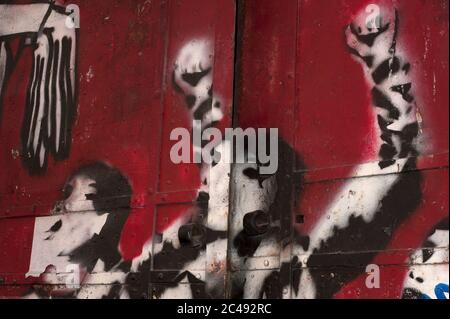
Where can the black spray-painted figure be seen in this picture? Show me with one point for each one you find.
(83, 233)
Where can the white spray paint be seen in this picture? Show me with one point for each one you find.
(423, 275)
(79, 222)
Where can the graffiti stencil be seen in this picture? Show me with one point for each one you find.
(215, 230)
(51, 98)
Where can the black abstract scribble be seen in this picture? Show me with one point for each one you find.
(56, 227)
(253, 173)
(195, 77)
(404, 89)
(277, 281)
(412, 293)
(385, 69)
(206, 103)
(382, 101)
(51, 99)
(203, 109)
(368, 39)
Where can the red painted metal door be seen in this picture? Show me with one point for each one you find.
(115, 191)
(92, 205)
(358, 91)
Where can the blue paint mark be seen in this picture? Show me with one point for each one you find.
(439, 291)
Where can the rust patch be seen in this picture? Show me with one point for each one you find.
(217, 266)
(138, 33)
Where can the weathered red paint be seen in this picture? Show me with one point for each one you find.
(292, 72)
(297, 76)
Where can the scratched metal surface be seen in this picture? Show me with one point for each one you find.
(356, 185)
